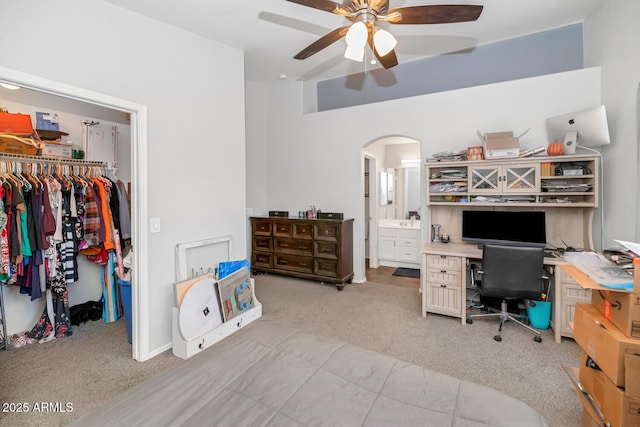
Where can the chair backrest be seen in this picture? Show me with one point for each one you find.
(512, 271)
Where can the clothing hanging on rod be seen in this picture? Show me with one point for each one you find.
(51, 210)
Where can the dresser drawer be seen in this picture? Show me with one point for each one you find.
(303, 230)
(326, 267)
(447, 277)
(262, 227)
(293, 246)
(444, 262)
(288, 262)
(283, 228)
(326, 250)
(262, 260)
(327, 232)
(262, 243)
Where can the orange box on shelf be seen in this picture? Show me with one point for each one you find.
(601, 340)
(16, 124)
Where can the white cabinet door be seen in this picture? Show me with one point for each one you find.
(387, 248)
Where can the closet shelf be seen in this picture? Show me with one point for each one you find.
(41, 159)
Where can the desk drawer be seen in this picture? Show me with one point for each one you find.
(446, 277)
(575, 292)
(445, 262)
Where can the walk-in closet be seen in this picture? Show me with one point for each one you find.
(57, 276)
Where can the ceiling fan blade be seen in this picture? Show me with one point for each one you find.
(326, 5)
(433, 14)
(389, 60)
(322, 42)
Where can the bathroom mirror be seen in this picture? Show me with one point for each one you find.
(410, 199)
(383, 189)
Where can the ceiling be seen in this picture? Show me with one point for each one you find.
(271, 32)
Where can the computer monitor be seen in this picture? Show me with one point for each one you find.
(527, 228)
(585, 128)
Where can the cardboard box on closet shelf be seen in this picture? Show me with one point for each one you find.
(501, 144)
(618, 407)
(603, 341)
(14, 144)
(53, 149)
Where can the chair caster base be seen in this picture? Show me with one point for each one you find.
(537, 338)
(497, 338)
(469, 321)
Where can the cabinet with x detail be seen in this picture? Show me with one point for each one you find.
(498, 179)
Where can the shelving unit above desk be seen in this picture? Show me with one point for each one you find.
(565, 187)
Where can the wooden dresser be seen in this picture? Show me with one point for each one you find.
(318, 249)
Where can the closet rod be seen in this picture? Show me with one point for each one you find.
(41, 159)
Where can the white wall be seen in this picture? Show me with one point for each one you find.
(195, 109)
(317, 158)
(612, 37)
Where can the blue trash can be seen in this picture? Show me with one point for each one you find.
(540, 315)
(125, 297)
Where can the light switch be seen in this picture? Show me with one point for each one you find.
(154, 225)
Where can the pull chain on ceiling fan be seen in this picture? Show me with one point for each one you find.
(363, 31)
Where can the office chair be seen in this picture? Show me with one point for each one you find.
(511, 272)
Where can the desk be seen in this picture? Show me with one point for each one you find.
(443, 284)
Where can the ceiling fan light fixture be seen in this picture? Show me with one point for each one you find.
(384, 42)
(356, 39)
(10, 87)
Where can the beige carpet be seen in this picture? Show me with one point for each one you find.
(95, 364)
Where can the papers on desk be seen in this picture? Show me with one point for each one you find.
(601, 270)
(633, 247)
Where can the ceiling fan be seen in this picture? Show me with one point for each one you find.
(363, 30)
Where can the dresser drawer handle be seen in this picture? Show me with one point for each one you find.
(443, 286)
(284, 245)
(326, 232)
(284, 262)
(302, 264)
(443, 256)
(443, 271)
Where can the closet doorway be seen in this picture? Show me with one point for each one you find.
(35, 86)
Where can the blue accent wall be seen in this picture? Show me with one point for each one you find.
(533, 55)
